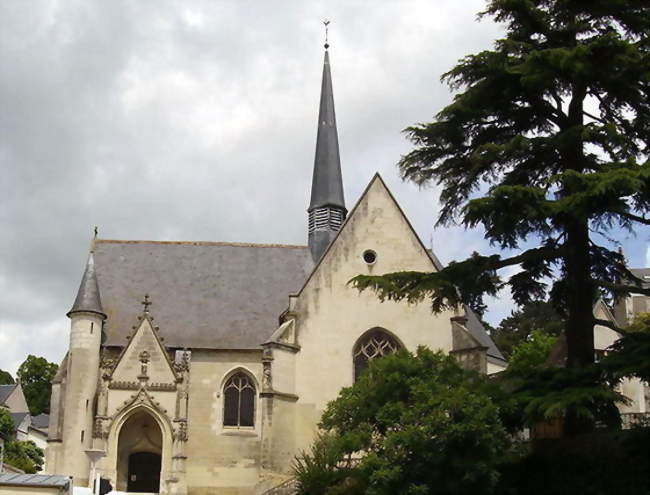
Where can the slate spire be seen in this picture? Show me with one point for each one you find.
(327, 207)
(88, 299)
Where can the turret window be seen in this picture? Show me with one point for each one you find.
(373, 344)
(239, 401)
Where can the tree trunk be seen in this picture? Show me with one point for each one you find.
(579, 324)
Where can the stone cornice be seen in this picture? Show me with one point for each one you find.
(279, 395)
(153, 387)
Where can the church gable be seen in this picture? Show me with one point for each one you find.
(332, 317)
(376, 238)
(144, 358)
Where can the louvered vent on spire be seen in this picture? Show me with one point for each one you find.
(327, 207)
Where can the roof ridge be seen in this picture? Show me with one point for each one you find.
(202, 243)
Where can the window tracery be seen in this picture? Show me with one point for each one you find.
(239, 401)
(374, 344)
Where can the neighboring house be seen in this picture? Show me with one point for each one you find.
(633, 388)
(628, 307)
(13, 399)
(34, 484)
(249, 342)
(27, 427)
(37, 430)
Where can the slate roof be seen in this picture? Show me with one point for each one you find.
(42, 421)
(205, 294)
(643, 274)
(210, 295)
(44, 480)
(477, 329)
(327, 184)
(18, 418)
(88, 298)
(5, 392)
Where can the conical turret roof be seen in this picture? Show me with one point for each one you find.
(88, 299)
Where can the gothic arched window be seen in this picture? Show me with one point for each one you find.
(239, 401)
(373, 344)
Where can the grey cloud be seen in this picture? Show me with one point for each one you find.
(196, 120)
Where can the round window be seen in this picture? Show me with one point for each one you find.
(369, 256)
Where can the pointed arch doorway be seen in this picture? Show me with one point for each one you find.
(139, 454)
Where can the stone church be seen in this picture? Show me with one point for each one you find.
(204, 367)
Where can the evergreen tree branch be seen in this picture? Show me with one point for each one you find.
(597, 119)
(636, 218)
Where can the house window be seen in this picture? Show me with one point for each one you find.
(374, 344)
(239, 401)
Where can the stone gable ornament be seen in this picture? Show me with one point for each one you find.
(144, 359)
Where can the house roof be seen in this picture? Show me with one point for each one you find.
(5, 392)
(477, 329)
(44, 480)
(211, 295)
(42, 421)
(643, 274)
(18, 418)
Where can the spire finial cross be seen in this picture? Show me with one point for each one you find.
(146, 303)
(326, 22)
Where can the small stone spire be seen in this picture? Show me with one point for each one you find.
(88, 299)
(327, 206)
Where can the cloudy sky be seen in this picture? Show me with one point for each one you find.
(196, 120)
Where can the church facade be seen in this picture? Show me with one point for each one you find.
(204, 367)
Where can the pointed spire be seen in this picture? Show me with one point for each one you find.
(88, 299)
(327, 206)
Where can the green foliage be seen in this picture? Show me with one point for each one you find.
(328, 468)
(24, 455)
(6, 378)
(538, 316)
(7, 427)
(423, 424)
(640, 324)
(547, 393)
(541, 145)
(531, 354)
(36, 375)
